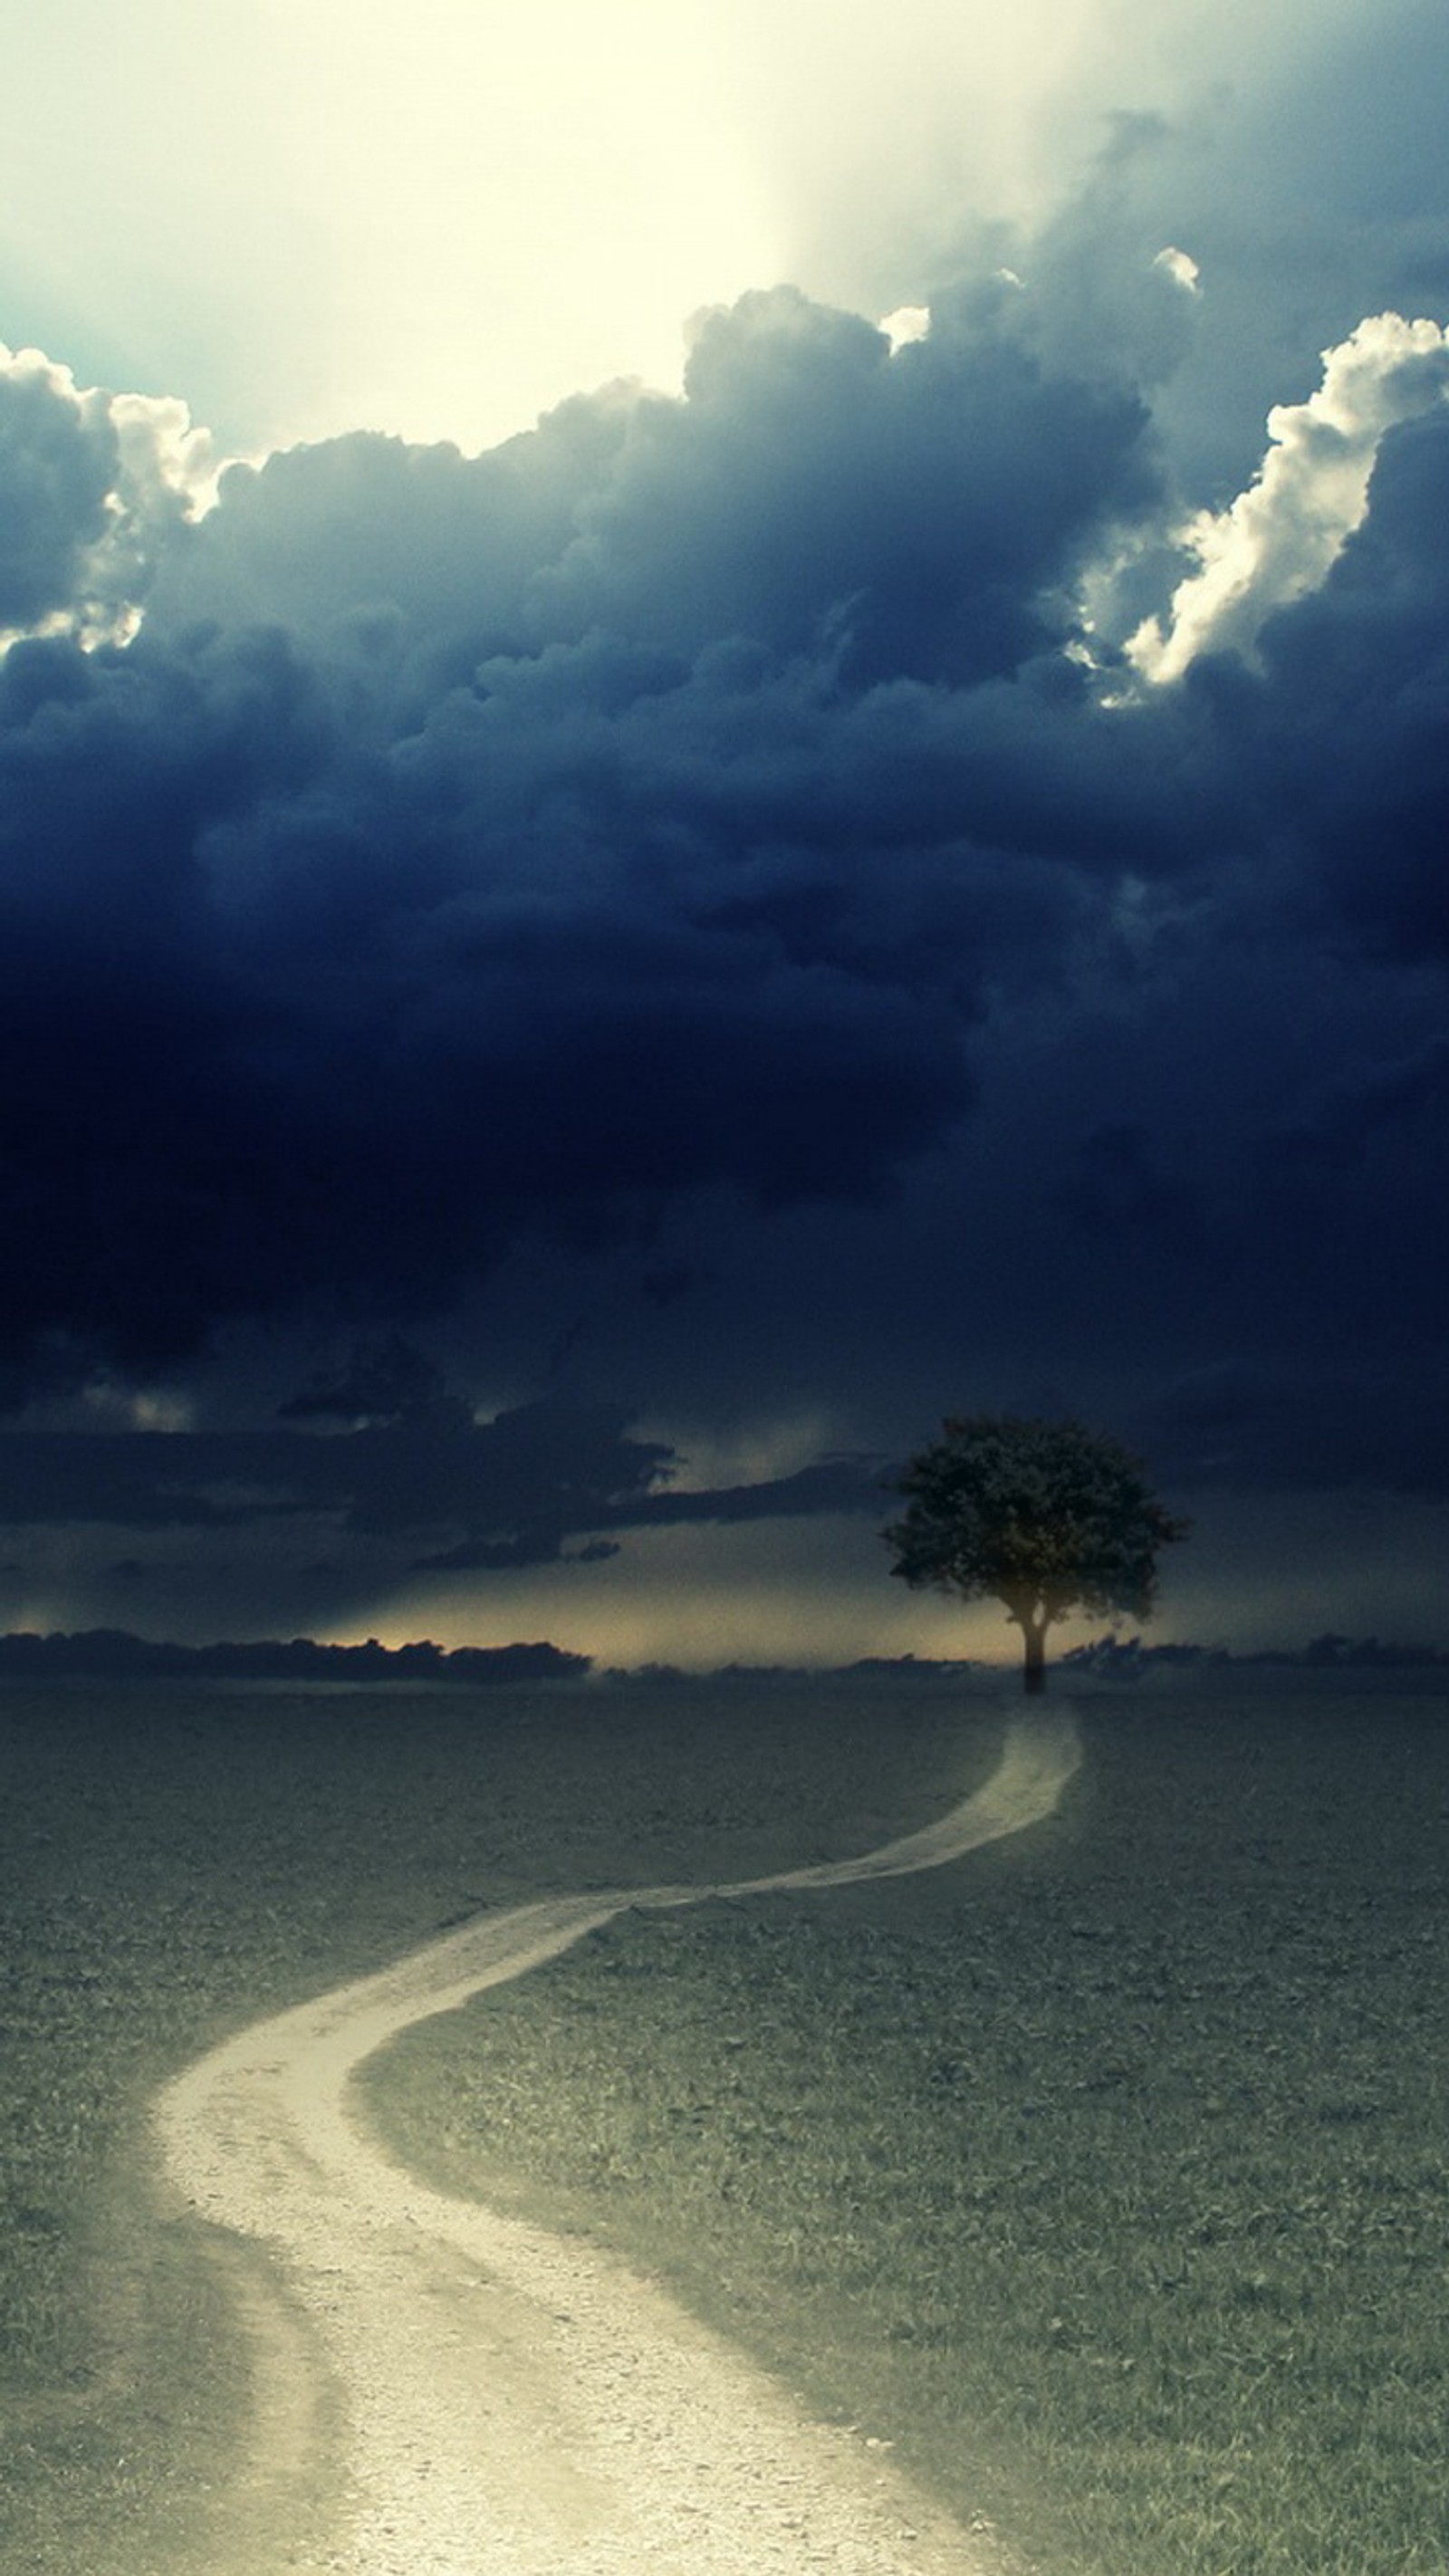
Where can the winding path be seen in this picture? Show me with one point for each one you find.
(474, 2397)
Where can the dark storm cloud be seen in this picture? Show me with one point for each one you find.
(414, 1470)
(529, 1476)
(1248, 1422)
(275, 1020)
(1310, 192)
(1353, 722)
(702, 796)
(882, 517)
(815, 491)
(464, 847)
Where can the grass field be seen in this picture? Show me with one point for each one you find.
(1106, 2173)
(175, 1861)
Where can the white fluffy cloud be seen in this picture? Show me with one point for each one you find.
(91, 485)
(1278, 539)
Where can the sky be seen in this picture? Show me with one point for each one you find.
(721, 729)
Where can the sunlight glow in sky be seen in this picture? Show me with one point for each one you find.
(430, 219)
(438, 220)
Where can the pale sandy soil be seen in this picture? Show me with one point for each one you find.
(441, 2391)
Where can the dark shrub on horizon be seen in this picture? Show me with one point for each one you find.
(1124, 1658)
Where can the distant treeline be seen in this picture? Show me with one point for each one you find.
(1328, 1652)
(112, 1654)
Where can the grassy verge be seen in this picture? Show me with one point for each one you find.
(1106, 2172)
(174, 1862)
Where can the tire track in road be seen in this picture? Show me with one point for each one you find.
(509, 2403)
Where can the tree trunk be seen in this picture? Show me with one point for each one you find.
(1033, 1671)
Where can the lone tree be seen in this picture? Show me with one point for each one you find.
(1048, 1517)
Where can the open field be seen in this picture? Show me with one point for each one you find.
(1105, 2173)
(174, 1862)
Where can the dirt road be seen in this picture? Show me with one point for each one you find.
(441, 2391)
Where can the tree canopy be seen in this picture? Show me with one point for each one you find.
(1047, 1517)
